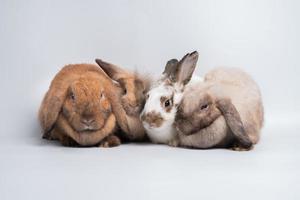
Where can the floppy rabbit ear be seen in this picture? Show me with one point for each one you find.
(185, 68)
(117, 108)
(113, 71)
(234, 122)
(51, 107)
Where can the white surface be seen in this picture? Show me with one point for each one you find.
(36, 169)
(38, 37)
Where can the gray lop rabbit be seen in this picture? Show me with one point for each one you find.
(224, 111)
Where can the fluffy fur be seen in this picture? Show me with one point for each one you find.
(77, 108)
(163, 98)
(132, 98)
(225, 110)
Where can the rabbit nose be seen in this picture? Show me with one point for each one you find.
(152, 118)
(87, 120)
(134, 105)
(136, 108)
(131, 99)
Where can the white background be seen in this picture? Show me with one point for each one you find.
(37, 38)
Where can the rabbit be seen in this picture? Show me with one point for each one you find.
(134, 87)
(224, 111)
(77, 108)
(163, 98)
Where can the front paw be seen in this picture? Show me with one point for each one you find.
(110, 141)
(173, 143)
(48, 136)
(68, 142)
(239, 147)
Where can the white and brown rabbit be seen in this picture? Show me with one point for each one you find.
(134, 87)
(77, 108)
(225, 111)
(159, 112)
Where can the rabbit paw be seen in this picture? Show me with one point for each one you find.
(173, 143)
(48, 136)
(238, 147)
(110, 141)
(68, 142)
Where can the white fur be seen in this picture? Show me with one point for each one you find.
(166, 132)
(163, 134)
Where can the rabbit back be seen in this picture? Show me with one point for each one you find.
(237, 85)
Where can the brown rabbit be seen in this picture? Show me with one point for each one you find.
(225, 110)
(134, 88)
(77, 108)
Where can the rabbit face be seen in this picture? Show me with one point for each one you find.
(162, 100)
(133, 86)
(86, 106)
(160, 106)
(195, 114)
(133, 98)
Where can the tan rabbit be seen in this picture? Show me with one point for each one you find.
(224, 111)
(77, 109)
(134, 87)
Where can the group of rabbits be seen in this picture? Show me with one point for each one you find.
(104, 105)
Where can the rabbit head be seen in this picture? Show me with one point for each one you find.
(131, 89)
(164, 97)
(134, 87)
(200, 112)
(78, 106)
(196, 111)
(86, 106)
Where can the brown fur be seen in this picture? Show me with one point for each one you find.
(132, 97)
(153, 119)
(77, 108)
(190, 121)
(163, 100)
(110, 141)
(186, 66)
(232, 111)
(169, 69)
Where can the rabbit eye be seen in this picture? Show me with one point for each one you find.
(72, 96)
(125, 91)
(205, 106)
(167, 103)
(102, 96)
(147, 96)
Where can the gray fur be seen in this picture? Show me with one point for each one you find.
(232, 111)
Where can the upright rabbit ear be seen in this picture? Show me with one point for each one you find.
(234, 122)
(170, 68)
(185, 68)
(51, 106)
(113, 71)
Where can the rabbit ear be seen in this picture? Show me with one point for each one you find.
(234, 122)
(51, 107)
(113, 71)
(120, 114)
(185, 68)
(170, 68)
